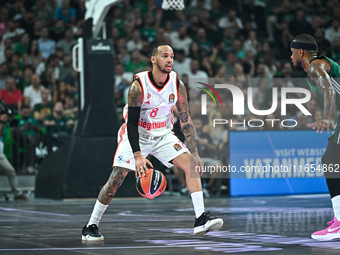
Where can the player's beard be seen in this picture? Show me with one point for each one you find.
(162, 70)
(298, 66)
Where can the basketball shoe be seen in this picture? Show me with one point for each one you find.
(91, 233)
(330, 233)
(207, 222)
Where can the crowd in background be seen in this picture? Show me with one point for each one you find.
(245, 41)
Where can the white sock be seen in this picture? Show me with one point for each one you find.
(197, 201)
(336, 206)
(97, 213)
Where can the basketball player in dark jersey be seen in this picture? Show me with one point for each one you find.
(322, 73)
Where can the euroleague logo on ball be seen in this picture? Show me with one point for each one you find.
(152, 185)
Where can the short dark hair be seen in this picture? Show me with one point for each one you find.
(306, 38)
(154, 49)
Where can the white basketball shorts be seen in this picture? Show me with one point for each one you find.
(164, 148)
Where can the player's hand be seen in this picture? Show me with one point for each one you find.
(141, 164)
(320, 125)
(199, 163)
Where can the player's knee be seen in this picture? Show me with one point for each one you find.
(119, 173)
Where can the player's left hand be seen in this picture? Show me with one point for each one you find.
(320, 125)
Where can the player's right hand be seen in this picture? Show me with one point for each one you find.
(320, 125)
(141, 165)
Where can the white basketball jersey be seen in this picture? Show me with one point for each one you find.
(156, 116)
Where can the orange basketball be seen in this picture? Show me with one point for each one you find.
(152, 185)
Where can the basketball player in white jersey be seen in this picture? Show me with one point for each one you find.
(147, 130)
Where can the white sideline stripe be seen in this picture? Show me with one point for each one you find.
(6, 209)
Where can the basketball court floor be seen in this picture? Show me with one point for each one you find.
(252, 225)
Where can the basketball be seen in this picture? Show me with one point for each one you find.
(152, 185)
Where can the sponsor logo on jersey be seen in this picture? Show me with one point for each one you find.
(177, 147)
(171, 98)
(148, 126)
(120, 157)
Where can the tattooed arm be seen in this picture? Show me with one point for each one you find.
(186, 122)
(318, 71)
(135, 98)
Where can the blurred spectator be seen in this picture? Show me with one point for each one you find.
(66, 67)
(8, 55)
(195, 71)
(27, 23)
(46, 45)
(231, 60)
(278, 21)
(44, 108)
(57, 123)
(65, 12)
(149, 29)
(231, 20)
(44, 72)
(252, 44)
(122, 55)
(135, 42)
(38, 26)
(145, 51)
(196, 8)
(136, 63)
(58, 31)
(14, 31)
(70, 109)
(123, 79)
(195, 51)
(333, 31)
(194, 25)
(33, 56)
(26, 79)
(11, 95)
(32, 93)
(27, 136)
(324, 46)
(3, 75)
(59, 92)
(237, 47)
(287, 74)
(206, 147)
(243, 34)
(160, 37)
(181, 40)
(15, 64)
(228, 38)
(43, 11)
(240, 75)
(204, 44)
(297, 26)
(181, 63)
(22, 46)
(169, 30)
(68, 42)
(335, 50)
(216, 11)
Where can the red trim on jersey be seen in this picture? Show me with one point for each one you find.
(177, 85)
(141, 84)
(172, 115)
(168, 79)
(121, 133)
(126, 115)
